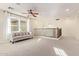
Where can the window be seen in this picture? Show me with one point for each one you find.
(23, 25)
(16, 25)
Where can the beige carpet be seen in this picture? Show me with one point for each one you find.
(40, 46)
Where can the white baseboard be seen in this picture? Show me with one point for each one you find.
(49, 37)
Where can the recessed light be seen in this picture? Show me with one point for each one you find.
(67, 10)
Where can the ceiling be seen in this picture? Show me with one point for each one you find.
(45, 9)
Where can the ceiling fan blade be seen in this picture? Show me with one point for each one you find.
(36, 13)
(32, 12)
(24, 13)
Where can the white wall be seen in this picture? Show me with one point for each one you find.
(44, 22)
(1, 27)
(69, 25)
(3, 24)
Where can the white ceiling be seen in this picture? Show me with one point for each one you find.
(45, 9)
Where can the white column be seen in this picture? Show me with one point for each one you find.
(19, 27)
(28, 25)
(5, 26)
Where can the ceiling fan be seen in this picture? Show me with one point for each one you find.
(32, 12)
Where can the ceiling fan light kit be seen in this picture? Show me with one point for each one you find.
(32, 12)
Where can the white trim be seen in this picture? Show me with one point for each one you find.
(49, 37)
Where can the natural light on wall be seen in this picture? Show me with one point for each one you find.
(59, 52)
(29, 26)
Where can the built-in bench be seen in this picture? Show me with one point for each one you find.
(20, 36)
(48, 32)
